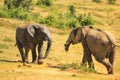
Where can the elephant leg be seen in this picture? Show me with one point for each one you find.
(89, 59)
(21, 53)
(87, 55)
(111, 60)
(84, 60)
(40, 48)
(34, 54)
(106, 64)
(26, 53)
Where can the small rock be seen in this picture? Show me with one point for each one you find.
(19, 66)
(40, 62)
(18, 55)
(24, 64)
(1, 51)
(73, 75)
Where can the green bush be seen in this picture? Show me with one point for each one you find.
(96, 0)
(49, 20)
(55, 20)
(22, 14)
(72, 10)
(111, 1)
(18, 9)
(86, 20)
(44, 2)
(25, 4)
(3, 14)
(72, 23)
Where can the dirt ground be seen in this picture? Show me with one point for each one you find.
(12, 69)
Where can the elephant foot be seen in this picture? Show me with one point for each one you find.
(110, 71)
(44, 57)
(26, 61)
(83, 64)
(40, 62)
(91, 65)
(33, 62)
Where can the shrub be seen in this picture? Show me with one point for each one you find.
(72, 9)
(49, 20)
(3, 14)
(111, 1)
(96, 0)
(25, 4)
(72, 23)
(22, 14)
(86, 20)
(44, 2)
(18, 9)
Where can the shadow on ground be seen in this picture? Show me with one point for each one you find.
(9, 61)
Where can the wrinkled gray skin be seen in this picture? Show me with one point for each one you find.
(101, 44)
(31, 36)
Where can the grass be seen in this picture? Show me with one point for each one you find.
(103, 14)
(76, 66)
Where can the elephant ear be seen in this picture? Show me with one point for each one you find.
(83, 32)
(31, 29)
(77, 35)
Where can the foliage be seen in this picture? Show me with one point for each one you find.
(7, 39)
(21, 14)
(96, 0)
(3, 14)
(77, 67)
(44, 2)
(73, 23)
(86, 19)
(25, 4)
(111, 1)
(3, 46)
(18, 9)
(49, 20)
(72, 10)
(67, 20)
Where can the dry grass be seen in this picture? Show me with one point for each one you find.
(107, 17)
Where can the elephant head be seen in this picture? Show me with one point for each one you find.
(76, 35)
(40, 33)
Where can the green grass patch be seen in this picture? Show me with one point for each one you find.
(77, 67)
(3, 46)
(7, 39)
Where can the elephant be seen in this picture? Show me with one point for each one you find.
(30, 36)
(97, 42)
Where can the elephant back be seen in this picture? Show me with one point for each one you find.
(111, 37)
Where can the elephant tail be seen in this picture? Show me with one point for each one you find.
(116, 45)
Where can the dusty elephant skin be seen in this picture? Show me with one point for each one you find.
(102, 44)
(29, 37)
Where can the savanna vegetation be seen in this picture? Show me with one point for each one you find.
(61, 16)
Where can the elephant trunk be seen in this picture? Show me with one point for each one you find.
(67, 45)
(49, 43)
